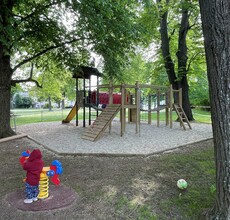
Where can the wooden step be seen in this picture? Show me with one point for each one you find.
(88, 138)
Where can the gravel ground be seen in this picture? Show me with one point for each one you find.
(66, 138)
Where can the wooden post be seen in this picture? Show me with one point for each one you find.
(122, 110)
(125, 102)
(84, 97)
(158, 107)
(97, 94)
(167, 108)
(138, 97)
(149, 110)
(130, 110)
(77, 104)
(110, 92)
(89, 100)
(110, 100)
(180, 96)
(167, 116)
(171, 105)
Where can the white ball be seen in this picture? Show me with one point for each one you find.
(182, 184)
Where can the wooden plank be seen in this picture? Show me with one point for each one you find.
(111, 107)
(153, 87)
(93, 129)
(105, 117)
(101, 123)
(13, 137)
(130, 106)
(103, 120)
(93, 135)
(109, 112)
(87, 138)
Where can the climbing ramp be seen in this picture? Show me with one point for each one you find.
(102, 122)
(71, 114)
(182, 116)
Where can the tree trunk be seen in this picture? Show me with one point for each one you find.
(50, 104)
(5, 69)
(181, 80)
(168, 62)
(63, 104)
(182, 62)
(185, 98)
(5, 87)
(216, 29)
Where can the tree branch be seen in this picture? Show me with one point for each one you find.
(29, 79)
(43, 52)
(36, 11)
(192, 59)
(14, 82)
(172, 33)
(195, 23)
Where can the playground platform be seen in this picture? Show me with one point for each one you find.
(66, 139)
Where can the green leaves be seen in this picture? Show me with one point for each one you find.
(111, 28)
(68, 31)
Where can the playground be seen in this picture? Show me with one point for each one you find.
(103, 153)
(115, 177)
(124, 99)
(108, 159)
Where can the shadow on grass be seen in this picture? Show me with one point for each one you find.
(120, 187)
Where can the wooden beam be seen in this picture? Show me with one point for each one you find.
(171, 105)
(149, 110)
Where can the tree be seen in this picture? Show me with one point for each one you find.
(185, 10)
(64, 31)
(215, 22)
(18, 101)
(53, 80)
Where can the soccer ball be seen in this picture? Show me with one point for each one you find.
(182, 184)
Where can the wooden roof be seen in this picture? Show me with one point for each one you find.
(84, 72)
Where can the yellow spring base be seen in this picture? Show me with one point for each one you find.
(43, 186)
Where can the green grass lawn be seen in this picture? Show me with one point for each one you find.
(27, 116)
(199, 116)
(202, 116)
(198, 168)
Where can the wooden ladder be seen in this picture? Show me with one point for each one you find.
(182, 116)
(102, 122)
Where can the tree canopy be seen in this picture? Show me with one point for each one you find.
(66, 32)
(70, 30)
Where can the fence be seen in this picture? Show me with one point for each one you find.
(25, 116)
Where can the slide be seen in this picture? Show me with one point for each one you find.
(71, 114)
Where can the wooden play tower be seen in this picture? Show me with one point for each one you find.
(83, 80)
(131, 104)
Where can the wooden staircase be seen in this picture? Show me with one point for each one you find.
(182, 116)
(102, 122)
